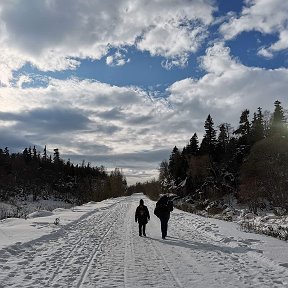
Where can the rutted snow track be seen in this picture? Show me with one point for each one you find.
(103, 249)
(64, 259)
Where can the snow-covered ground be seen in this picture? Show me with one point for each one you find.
(97, 245)
(22, 206)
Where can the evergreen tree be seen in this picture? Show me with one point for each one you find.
(6, 151)
(209, 140)
(193, 146)
(257, 127)
(278, 120)
(244, 128)
(177, 165)
(45, 154)
(34, 153)
(56, 158)
(223, 138)
(30, 153)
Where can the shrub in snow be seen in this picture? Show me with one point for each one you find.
(279, 211)
(271, 226)
(214, 210)
(57, 221)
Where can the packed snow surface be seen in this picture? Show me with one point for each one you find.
(97, 245)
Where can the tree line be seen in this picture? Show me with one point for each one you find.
(250, 162)
(44, 176)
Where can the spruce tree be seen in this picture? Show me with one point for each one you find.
(194, 145)
(223, 138)
(45, 154)
(244, 128)
(209, 140)
(56, 158)
(278, 120)
(177, 165)
(257, 127)
(34, 153)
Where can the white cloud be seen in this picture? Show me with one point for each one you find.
(118, 59)
(86, 119)
(121, 122)
(23, 79)
(109, 60)
(173, 40)
(265, 16)
(228, 88)
(94, 101)
(218, 60)
(265, 53)
(54, 35)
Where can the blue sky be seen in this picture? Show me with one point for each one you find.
(120, 83)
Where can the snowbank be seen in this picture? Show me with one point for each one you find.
(43, 222)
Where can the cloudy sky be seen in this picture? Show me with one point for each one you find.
(120, 83)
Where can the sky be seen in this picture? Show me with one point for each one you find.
(120, 83)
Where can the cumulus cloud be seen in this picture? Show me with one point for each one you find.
(227, 88)
(265, 16)
(118, 59)
(85, 110)
(56, 35)
(127, 127)
(22, 80)
(173, 40)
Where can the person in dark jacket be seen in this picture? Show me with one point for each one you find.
(162, 211)
(142, 216)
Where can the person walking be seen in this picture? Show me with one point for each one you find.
(142, 216)
(163, 208)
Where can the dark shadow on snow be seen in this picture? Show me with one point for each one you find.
(174, 241)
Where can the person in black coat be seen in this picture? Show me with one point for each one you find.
(142, 216)
(162, 211)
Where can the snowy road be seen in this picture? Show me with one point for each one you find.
(103, 249)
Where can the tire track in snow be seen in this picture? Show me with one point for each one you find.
(34, 262)
(171, 271)
(68, 257)
(144, 262)
(108, 270)
(94, 253)
(129, 247)
(92, 245)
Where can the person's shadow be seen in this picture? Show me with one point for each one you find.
(193, 245)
